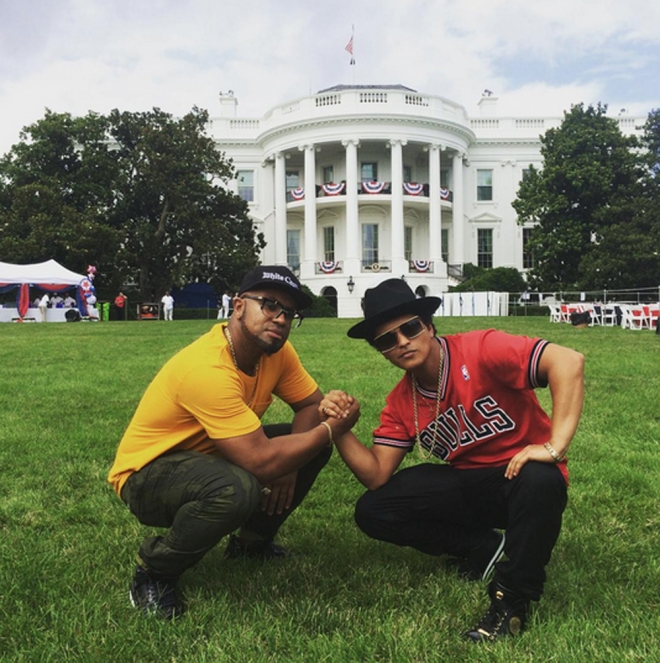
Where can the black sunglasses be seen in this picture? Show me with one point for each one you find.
(387, 341)
(271, 308)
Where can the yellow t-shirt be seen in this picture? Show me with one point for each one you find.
(199, 396)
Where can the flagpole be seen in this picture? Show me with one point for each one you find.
(350, 48)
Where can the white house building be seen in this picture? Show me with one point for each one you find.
(359, 183)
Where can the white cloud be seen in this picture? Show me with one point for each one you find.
(538, 57)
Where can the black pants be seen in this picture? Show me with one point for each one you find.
(439, 510)
(201, 498)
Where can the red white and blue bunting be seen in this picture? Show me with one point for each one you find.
(332, 189)
(373, 187)
(444, 194)
(421, 265)
(298, 193)
(328, 266)
(413, 188)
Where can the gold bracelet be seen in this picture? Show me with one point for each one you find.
(551, 450)
(327, 425)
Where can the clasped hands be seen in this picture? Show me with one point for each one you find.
(339, 405)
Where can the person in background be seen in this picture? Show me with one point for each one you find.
(468, 400)
(168, 306)
(69, 302)
(226, 303)
(195, 458)
(44, 303)
(120, 306)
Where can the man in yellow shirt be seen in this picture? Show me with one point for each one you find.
(196, 459)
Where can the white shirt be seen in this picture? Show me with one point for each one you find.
(167, 301)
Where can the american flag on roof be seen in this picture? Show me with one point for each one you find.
(349, 48)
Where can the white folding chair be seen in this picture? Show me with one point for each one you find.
(608, 315)
(635, 317)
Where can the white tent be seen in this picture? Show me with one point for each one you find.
(49, 272)
(51, 277)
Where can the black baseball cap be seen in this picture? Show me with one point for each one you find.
(276, 277)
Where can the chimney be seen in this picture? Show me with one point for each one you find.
(228, 104)
(487, 104)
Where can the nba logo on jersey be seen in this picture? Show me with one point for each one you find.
(464, 370)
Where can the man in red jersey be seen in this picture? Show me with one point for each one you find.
(466, 399)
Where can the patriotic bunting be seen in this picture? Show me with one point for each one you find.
(444, 194)
(413, 188)
(421, 265)
(298, 193)
(332, 189)
(373, 187)
(328, 266)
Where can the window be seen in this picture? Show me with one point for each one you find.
(407, 174)
(444, 178)
(293, 249)
(444, 238)
(329, 243)
(528, 256)
(245, 180)
(484, 185)
(484, 247)
(369, 244)
(328, 174)
(292, 180)
(369, 172)
(408, 242)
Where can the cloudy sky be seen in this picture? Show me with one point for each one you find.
(537, 56)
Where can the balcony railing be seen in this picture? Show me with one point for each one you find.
(332, 189)
(377, 266)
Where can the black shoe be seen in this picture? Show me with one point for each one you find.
(155, 594)
(479, 564)
(256, 550)
(506, 616)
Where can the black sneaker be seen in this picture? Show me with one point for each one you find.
(256, 550)
(155, 594)
(479, 564)
(506, 616)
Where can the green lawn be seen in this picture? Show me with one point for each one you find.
(67, 543)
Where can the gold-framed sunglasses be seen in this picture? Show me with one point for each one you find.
(387, 341)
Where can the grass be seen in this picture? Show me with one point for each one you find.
(67, 543)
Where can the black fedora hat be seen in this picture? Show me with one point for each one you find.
(389, 300)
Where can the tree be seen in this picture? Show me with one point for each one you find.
(584, 202)
(141, 195)
(497, 279)
(54, 193)
(178, 222)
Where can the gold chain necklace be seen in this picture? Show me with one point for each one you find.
(233, 357)
(423, 454)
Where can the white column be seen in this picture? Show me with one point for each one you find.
(309, 252)
(458, 257)
(399, 264)
(280, 209)
(435, 210)
(352, 260)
